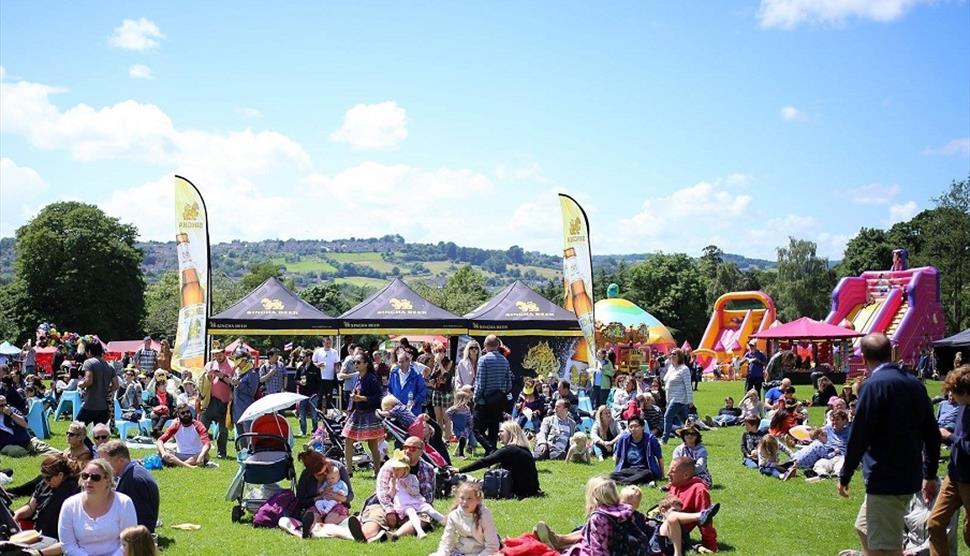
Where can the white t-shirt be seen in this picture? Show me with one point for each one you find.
(80, 534)
(326, 360)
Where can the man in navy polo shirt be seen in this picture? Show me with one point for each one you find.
(895, 437)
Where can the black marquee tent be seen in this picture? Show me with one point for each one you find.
(397, 309)
(947, 348)
(519, 311)
(272, 310)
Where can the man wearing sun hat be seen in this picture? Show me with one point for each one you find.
(245, 383)
(215, 393)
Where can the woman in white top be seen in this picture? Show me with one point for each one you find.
(91, 522)
(465, 371)
(680, 393)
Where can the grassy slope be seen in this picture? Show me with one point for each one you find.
(760, 516)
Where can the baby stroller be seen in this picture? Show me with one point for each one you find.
(265, 459)
(331, 443)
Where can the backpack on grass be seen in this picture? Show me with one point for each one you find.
(497, 483)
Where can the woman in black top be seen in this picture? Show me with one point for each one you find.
(515, 457)
(59, 483)
(362, 423)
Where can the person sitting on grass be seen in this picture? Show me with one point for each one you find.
(191, 440)
(378, 517)
(138, 541)
(695, 450)
(624, 390)
(669, 538)
(604, 432)
(653, 416)
(726, 416)
(696, 498)
(774, 394)
(134, 481)
(530, 407)
(807, 456)
(14, 438)
(630, 495)
(837, 435)
(59, 483)
(768, 462)
(552, 442)
(751, 405)
(407, 498)
(515, 457)
(750, 441)
(603, 509)
(638, 455)
(784, 419)
(469, 529)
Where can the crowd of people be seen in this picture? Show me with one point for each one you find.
(93, 494)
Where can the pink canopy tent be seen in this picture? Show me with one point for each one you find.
(118, 348)
(806, 329)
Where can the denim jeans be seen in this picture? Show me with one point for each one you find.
(306, 408)
(674, 410)
(749, 463)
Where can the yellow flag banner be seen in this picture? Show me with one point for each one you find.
(577, 268)
(192, 245)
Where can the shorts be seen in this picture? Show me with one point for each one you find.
(96, 416)
(376, 514)
(880, 519)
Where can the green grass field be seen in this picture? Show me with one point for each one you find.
(375, 283)
(306, 264)
(759, 515)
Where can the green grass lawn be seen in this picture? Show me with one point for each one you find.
(759, 515)
(375, 283)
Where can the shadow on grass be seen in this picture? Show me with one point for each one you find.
(165, 542)
(724, 547)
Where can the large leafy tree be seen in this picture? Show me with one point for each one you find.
(804, 282)
(671, 288)
(870, 249)
(80, 269)
(335, 299)
(162, 301)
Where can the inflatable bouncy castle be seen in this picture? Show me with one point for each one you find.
(902, 303)
(736, 316)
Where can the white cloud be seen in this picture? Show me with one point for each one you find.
(902, 212)
(791, 114)
(139, 34)
(20, 187)
(140, 71)
(956, 147)
(130, 129)
(671, 222)
(373, 126)
(871, 194)
(248, 112)
(788, 14)
(3, 73)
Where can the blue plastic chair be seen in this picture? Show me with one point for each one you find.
(37, 420)
(122, 425)
(213, 431)
(72, 397)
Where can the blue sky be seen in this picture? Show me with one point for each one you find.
(676, 126)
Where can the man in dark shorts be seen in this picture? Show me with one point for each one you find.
(99, 383)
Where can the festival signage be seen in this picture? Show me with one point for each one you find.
(577, 265)
(192, 245)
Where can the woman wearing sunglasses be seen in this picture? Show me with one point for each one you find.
(91, 522)
(59, 482)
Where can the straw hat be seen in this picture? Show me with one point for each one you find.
(399, 460)
(688, 429)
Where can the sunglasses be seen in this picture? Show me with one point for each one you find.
(73, 434)
(182, 414)
(359, 361)
(101, 437)
(411, 449)
(93, 477)
(472, 349)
